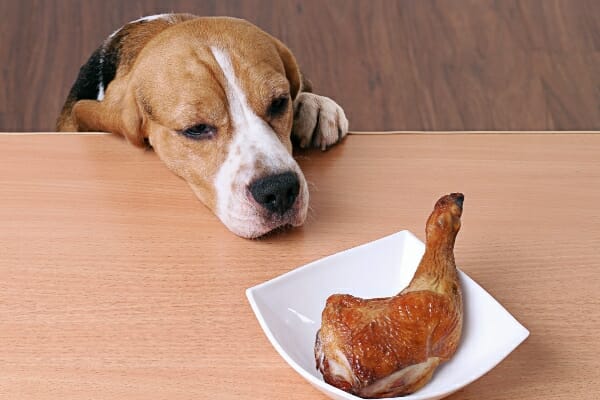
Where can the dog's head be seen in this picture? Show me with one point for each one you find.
(213, 97)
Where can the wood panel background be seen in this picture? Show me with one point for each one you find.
(393, 65)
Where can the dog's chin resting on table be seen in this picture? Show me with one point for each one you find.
(220, 101)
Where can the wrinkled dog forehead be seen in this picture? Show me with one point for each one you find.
(196, 36)
(186, 82)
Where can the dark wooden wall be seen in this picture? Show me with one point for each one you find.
(393, 65)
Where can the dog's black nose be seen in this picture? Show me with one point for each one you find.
(276, 193)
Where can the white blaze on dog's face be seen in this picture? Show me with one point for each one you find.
(259, 184)
(219, 113)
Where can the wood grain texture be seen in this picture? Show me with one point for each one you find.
(393, 65)
(115, 282)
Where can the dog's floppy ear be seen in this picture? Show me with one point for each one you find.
(118, 113)
(292, 71)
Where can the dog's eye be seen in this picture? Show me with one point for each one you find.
(278, 106)
(200, 131)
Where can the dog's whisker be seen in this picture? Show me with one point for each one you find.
(311, 215)
(312, 185)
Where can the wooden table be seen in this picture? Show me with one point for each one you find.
(116, 283)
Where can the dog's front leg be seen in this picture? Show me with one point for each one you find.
(318, 121)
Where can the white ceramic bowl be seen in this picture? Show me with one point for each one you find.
(289, 308)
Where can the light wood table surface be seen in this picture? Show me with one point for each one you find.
(116, 283)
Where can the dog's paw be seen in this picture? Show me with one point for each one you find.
(318, 121)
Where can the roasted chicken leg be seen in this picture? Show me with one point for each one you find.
(389, 347)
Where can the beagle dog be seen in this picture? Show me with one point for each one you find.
(220, 102)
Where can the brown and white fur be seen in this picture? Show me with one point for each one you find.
(219, 100)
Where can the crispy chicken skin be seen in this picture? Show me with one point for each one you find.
(389, 347)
